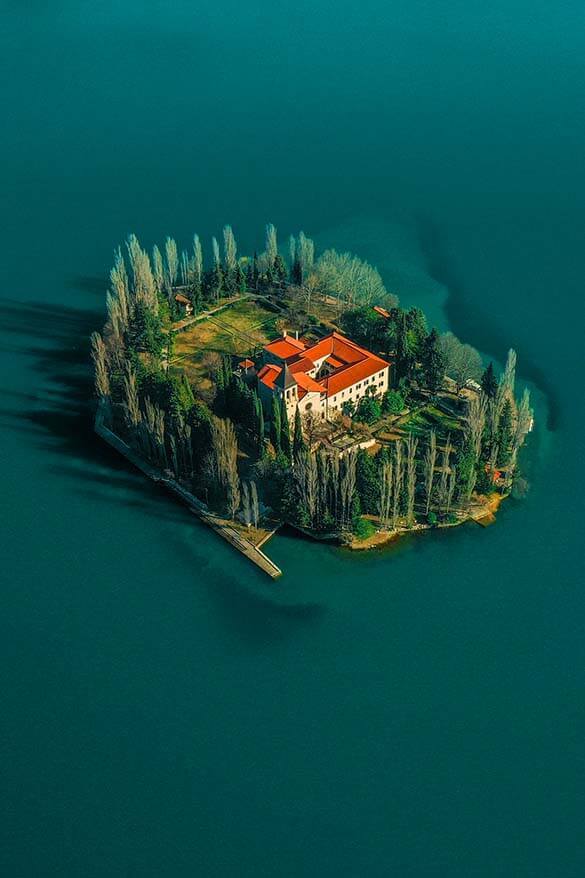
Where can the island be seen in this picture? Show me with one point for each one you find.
(275, 389)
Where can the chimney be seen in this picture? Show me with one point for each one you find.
(297, 334)
(284, 333)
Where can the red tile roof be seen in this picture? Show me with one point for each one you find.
(285, 347)
(246, 364)
(308, 383)
(382, 311)
(268, 374)
(350, 364)
(303, 364)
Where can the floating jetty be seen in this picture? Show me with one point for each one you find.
(230, 534)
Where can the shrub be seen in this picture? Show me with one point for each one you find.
(432, 518)
(392, 402)
(363, 529)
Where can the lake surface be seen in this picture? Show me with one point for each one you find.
(166, 710)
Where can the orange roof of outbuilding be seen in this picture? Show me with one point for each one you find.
(268, 374)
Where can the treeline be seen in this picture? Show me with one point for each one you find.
(416, 352)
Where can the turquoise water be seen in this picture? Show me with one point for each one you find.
(166, 710)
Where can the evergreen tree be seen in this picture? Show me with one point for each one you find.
(296, 274)
(279, 269)
(285, 443)
(489, 382)
(417, 330)
(144, 331)
(367, 482)
(275, 423)
(240, 279)
(433, 361)
(405, 359)
(299, 444)
(259, 420)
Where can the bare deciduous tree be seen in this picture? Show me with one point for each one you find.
(429, 467)
(246, 505)
(100, 362)
(411, 446)
(350, 281)
(398, 482)
(476, 418)
(255, 504)
(463, 363)
(445, 474)
(171, 263)
(197, 260)
(385, 502)
(229, 248)
(271, 250)
(157, 269)
(224, 461)
(131, 400)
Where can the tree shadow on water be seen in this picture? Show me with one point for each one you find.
(56, 417)
(56, 414)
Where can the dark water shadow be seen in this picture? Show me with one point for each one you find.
(475, 324)
(97, 286)
(58, 420)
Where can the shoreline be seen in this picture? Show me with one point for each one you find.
(252, 552)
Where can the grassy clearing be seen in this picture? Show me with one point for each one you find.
(238, 330)
(421, 422)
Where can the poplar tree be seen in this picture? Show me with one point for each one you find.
(197, 263)
(505, 431)
(429, 468)
(120, 289)
(398, 482)
(216, 272)
(411, 446)
(271, 250)
(171, 263)
(185, 268)
(386, 486)
(230, 259)
(100, 361)
(157, 269)
(445, 472)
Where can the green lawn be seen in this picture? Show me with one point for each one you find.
(421, 422)
(240, 329)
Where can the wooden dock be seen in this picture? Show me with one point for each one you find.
(230, 534)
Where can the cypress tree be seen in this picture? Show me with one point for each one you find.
(279, 269)
(489, 382)
(299, 444)
(285, 431)
(433, 361)
(275, 424)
